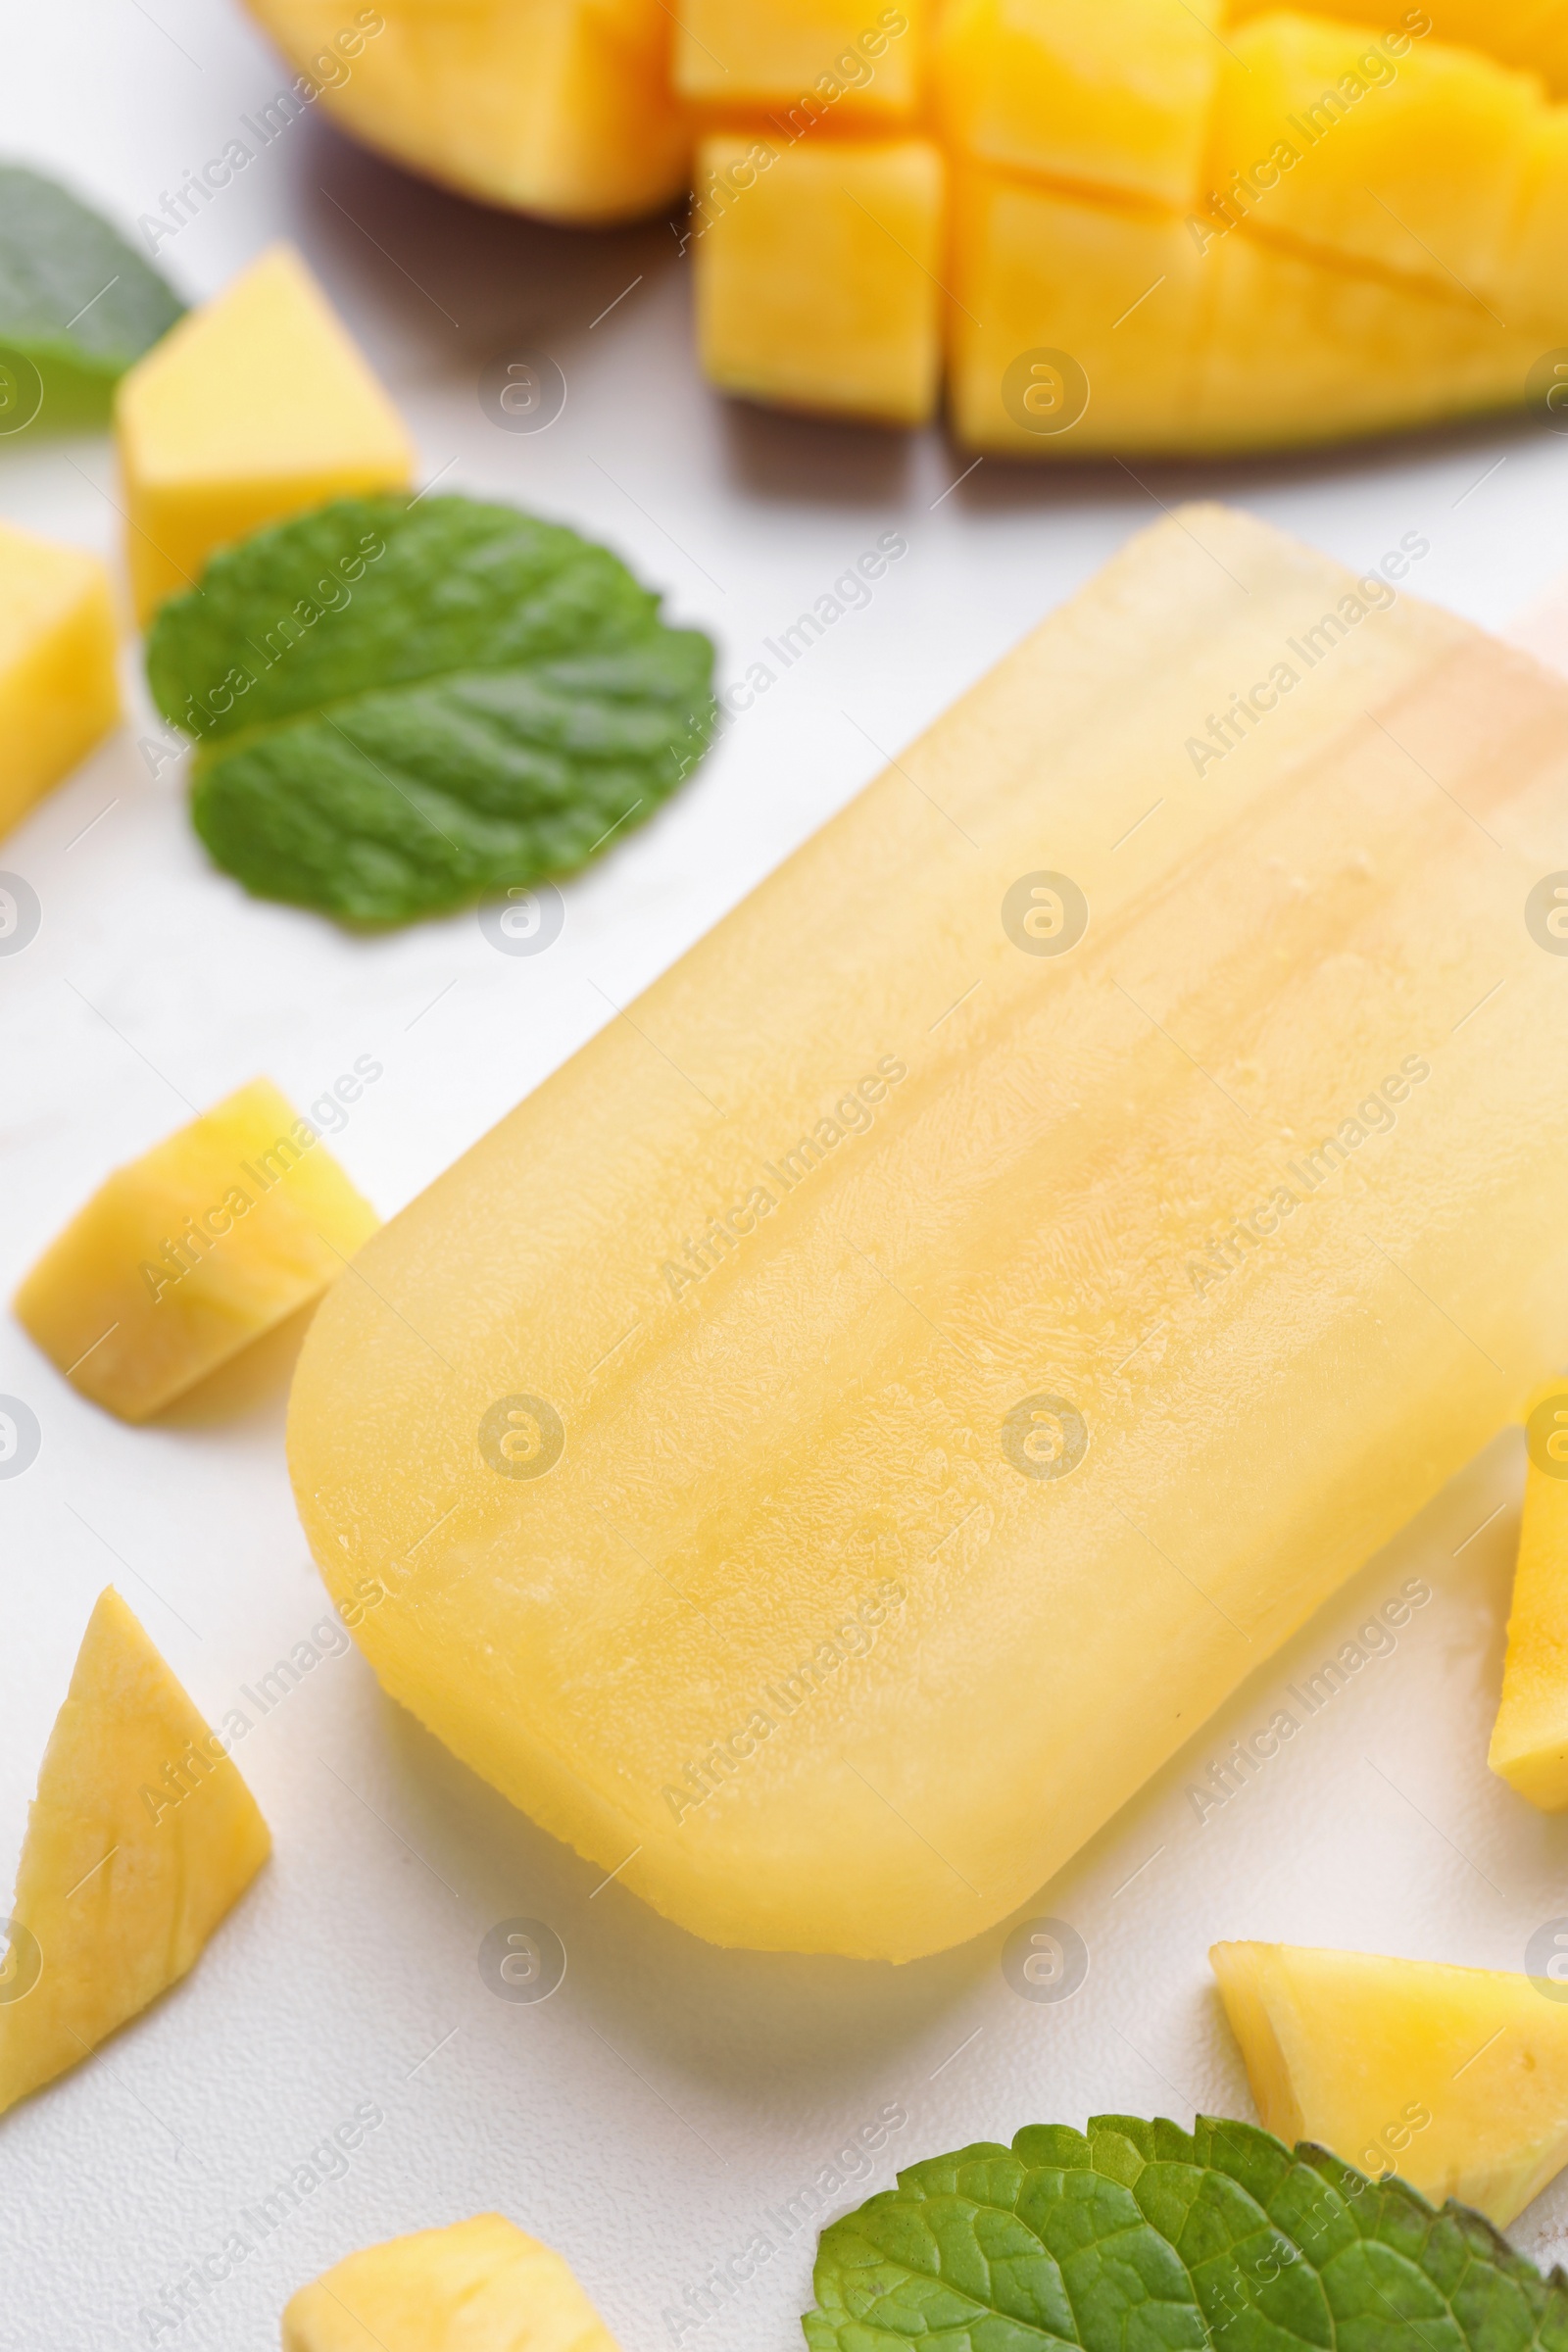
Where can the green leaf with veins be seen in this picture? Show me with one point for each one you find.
(78, 305)
(402, 705)
(1142, 2237)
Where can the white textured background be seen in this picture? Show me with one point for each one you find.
(644, 2118)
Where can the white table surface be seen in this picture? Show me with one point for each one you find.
(647, 2117)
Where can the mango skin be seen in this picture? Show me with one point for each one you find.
(1456, 2079)
(829, 1540)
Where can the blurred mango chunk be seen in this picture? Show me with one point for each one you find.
(141, 1838)
(255, 407)
(853, 58)
(1394, 194)
(1113, 97)
(1456, 2079)
(188, 1253)
(562, 108)
(818, 283)
(478, 2287)
(58, 695)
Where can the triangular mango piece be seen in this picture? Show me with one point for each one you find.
(1530, 1738)
(254, 407)
(480, 2284)
(141, 1836)
(1456, 2079)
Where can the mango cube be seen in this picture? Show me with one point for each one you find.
(1530, 1738)
(1114, 98)
(477, 2287)
(848, 60)
(58, 694)
(254, 407)
(817, 274)
(1322, 137)
(187, 1254)
(1074, 327)
(558, 107)
(1456, 2079)
(141, 1839)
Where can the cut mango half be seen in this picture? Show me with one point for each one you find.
(141, 1839)
(480, 2287)
(1269, 181)
(1454, 2078)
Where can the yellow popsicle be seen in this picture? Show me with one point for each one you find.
(829, 1444)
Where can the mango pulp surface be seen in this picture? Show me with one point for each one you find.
(184, 1257)
(58, 691)
(829, 1444)
(1456, 2079)
(558, 107)
(141, 1836)
(255, 406)
(478, 2287)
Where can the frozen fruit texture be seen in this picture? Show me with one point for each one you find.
(995, 1286)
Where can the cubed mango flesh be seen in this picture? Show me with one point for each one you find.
(1399, 192)
(1454, 2078)
(141, 1838)
(562, 108)
(829, 1444)
(477, 2287)
(848, 60)
(1530, 33)
(58, 693)
(254, 407)
(188, 1253)
(1413, 165)
(817, 274)
(1530, 1738)
(1114, 99)
(1071, 323)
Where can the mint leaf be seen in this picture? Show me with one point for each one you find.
(402, 705)
(78, 305)
(1141, 2237)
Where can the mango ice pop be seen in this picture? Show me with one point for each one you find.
(828, 1445)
